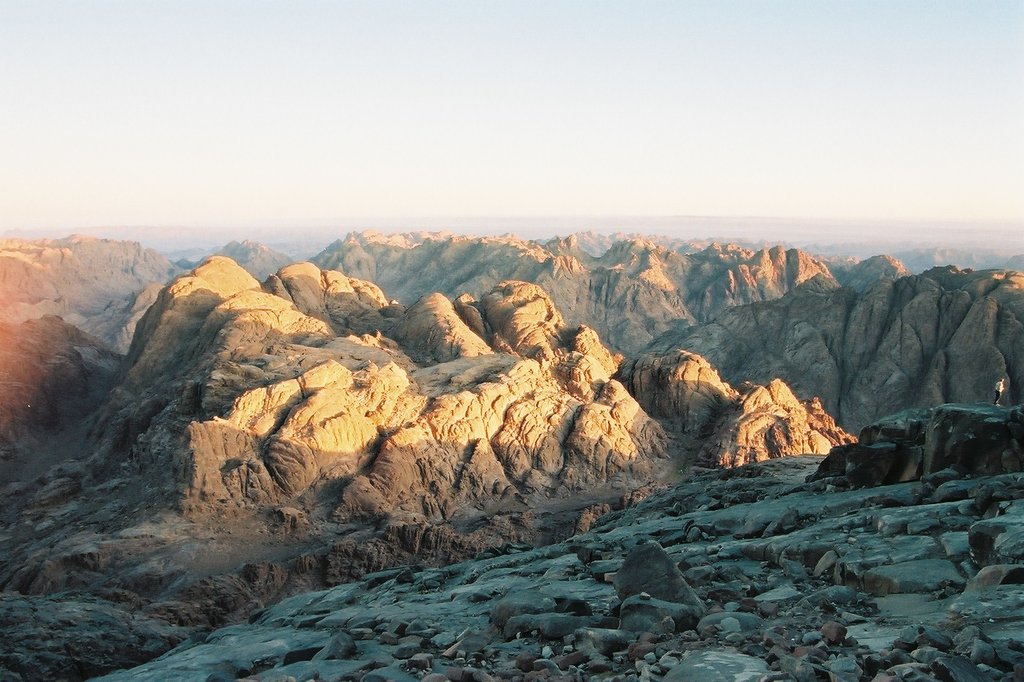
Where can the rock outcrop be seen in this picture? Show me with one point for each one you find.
(289, 412)
(945, 336)
(727, 427)
(69, 638)
(95, 284)
(944, 441)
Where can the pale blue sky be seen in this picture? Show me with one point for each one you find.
(235, 113)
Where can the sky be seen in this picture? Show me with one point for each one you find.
(218, 114)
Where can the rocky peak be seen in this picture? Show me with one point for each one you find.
(257, 259)
(912, 341)
(729, 427)
(523, 319)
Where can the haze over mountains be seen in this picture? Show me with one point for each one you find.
(187, 446)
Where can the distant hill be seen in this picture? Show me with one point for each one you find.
(99, 285)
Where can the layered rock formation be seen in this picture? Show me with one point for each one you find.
(97, 285)
(945, 336)
(282, 431)
(279, 401)
(632, 292)
(728, 427)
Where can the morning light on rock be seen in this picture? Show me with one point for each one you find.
(460, 341)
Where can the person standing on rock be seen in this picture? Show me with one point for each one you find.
(1000, 387)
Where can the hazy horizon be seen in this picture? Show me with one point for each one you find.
(826, 236)
(228, 114)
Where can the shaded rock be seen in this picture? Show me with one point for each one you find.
(649, 569)
(718, 666)
(519, 604)
(748, 622)
(641, 613)
(69, 639)
(341, 646)
(923, 575)
(603, 640)
(941, 337)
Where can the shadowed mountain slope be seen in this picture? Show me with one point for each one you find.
(944, 336)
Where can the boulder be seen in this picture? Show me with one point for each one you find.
(649, 569)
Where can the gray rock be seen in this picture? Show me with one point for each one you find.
(549, 625)
(340, 646)
(999, 574)
(519, 604)
(649, 569)
(923, 575)
(982, 652)
(844, 668)
(957, 669)
(717, 666)
(748, 621)
(641, 613)
(603, 640)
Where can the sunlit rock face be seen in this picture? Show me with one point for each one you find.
(727, 427)
(631, 292)
(265, 437)
(101, 286)
(944, 336)
(863, 274)
(274, 400)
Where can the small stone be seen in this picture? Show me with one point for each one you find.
(845, 666)
(811, 638)
(421, 661)
(544, 664)
(925, 654)
(957, 669)
(406, 650)
(524, 661)
(729, 625)
(982, 652)
(833, 632)
(571, 659)
(825, 564)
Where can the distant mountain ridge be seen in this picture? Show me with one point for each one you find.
(634, 292)
(99, 285)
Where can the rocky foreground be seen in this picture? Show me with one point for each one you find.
(780, 570)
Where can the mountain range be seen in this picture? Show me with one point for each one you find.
(190, 446)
